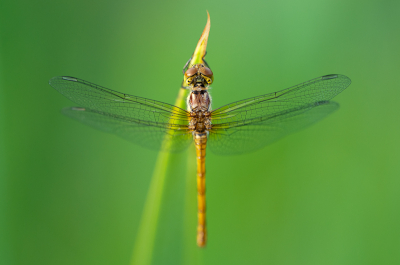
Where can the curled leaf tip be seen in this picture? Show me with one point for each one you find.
(201, 47)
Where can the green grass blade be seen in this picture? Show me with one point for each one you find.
(144, 244)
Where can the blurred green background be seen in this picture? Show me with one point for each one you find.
(327, 195)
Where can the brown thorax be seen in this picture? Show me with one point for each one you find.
(199, 100)
(199, 104)
(200, 121)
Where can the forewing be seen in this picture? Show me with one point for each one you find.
(261, 108)
(136, 109)
(250, 137)
(153, 137)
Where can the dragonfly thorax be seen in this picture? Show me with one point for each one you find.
(199, 101)
(200, 121)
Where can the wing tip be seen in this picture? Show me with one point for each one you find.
(52, 79)
(69, 78)
(73, 109)
(333, 76)
(66, 78)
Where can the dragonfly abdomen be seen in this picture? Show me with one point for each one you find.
(200, 140)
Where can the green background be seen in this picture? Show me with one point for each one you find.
(70, 194)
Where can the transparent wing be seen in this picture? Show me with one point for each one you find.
(140, 120)
(153, 137)
(267, 106)
(135, 109)
(250, 137)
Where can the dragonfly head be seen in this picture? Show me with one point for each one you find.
(198, 76)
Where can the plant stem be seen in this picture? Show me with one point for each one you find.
(144, 244)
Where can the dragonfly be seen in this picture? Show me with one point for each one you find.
(239, 127)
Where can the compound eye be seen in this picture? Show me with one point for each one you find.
(190, 72)
(206, 71)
